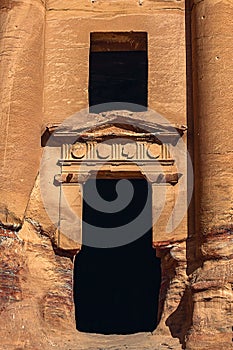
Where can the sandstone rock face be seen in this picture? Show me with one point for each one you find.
(36, 290)
(21, 46)
(37, 309)
(212, 282)
(67, 46)
(44, 50)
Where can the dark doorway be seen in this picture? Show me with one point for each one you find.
(116, 289)
(118, 70)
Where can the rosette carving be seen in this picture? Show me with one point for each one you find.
(153, 151)
(78, 150)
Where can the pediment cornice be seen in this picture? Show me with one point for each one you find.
(118, 124)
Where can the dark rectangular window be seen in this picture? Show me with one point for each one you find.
(118, 70)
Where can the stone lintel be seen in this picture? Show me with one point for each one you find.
(66, 178)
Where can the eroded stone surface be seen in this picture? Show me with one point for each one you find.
(212, 281)
(37, 301)
(37, 310)
(21, 52)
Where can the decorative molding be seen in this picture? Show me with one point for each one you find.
(156, 178)
(122, 149)
(115, 151)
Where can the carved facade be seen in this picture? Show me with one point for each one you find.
(55, 56)
(117, 149)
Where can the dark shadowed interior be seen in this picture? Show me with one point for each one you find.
(118, 70)
(116, 289)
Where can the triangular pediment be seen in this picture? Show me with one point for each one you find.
(117, 124)
(114, 129)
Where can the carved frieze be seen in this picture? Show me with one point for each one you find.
(118, 150)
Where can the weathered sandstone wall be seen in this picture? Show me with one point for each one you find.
(44, 80)
(67, 43)
(44, 54)
(212, 26)
(21, 66)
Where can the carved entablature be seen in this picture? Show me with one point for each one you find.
(112, 146)
(120, 145)
(115, 150)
